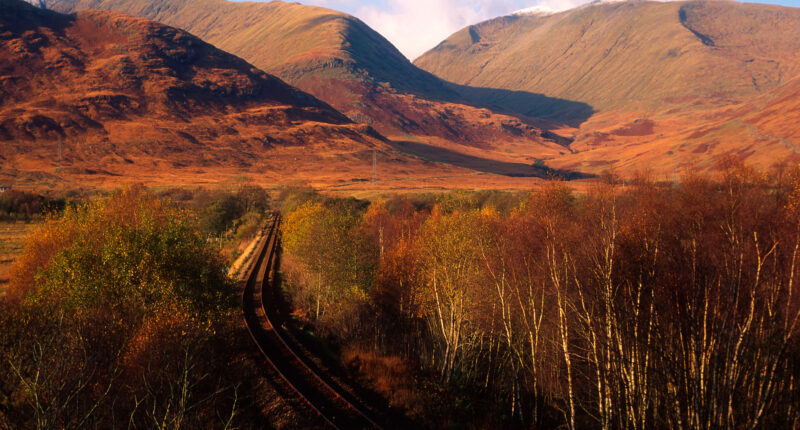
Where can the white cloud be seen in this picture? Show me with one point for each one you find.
(415, 26)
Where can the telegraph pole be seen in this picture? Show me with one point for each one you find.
(374, 166)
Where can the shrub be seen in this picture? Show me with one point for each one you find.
(112, 304)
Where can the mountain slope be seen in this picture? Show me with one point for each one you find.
(674, 85)
(633, 53)
(339, 59)
(104, 92)
(273, 36)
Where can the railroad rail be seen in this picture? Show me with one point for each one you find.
(336, 408)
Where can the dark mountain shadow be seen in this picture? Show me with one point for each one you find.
(486, 165)
(528, 107)
(17, 17)
(537, 110)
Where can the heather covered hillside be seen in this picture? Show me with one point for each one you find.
(99, 97)
(669, 81)
(632, 54)
(344, 62)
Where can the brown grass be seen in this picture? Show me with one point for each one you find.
(75, 114)
(388, 375)
(666, 101)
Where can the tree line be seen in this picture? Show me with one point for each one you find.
(643, 306)
(26, 206)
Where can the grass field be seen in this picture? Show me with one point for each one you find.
(12, 239)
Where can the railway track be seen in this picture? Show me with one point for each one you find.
(334, 406)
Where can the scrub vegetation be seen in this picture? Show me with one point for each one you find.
(632, 305)
(119, 313)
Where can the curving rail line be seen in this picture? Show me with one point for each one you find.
(333, 406)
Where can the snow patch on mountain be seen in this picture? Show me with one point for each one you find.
(537, 10)
(38, 3)
(551, 7)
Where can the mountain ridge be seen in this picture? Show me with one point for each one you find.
(339, 59)
(678, 74)
(103, 91)
(609, 54)
(623, 86)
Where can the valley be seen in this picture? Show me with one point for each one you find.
(262, 214)
(640, 95)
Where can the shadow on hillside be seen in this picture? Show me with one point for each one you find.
(535, 109)
(17, 17)
(486, 165)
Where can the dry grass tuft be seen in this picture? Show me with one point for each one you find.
(389, 375)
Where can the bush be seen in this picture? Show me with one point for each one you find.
(292, 197)
(219, 215)
(20, 205)
(110, 308)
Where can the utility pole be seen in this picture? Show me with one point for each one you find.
(374, 166)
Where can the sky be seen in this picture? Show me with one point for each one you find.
(415, 26)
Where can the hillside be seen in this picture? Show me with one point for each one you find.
(342, 61)
(100, 93)
(660, 76)
(641, 54)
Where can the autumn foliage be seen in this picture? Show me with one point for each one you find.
(643, 306)
(113, 312)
